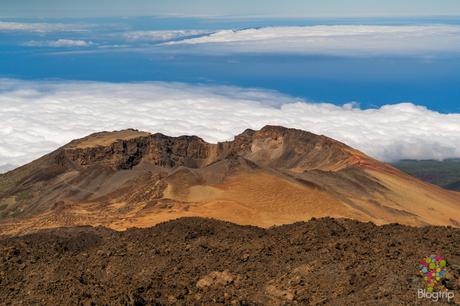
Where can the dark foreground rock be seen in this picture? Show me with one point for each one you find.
(195, 261)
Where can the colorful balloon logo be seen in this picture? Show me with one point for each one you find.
(433, 270)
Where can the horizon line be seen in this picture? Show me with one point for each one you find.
(184, 16)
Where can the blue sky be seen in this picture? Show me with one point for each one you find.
(289, 8)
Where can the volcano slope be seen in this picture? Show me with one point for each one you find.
(195, 261)
(268, 177)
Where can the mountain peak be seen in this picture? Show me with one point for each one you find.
(272, 176)
(269, 146)
(105, 138)
(277, 131)
(280, 129)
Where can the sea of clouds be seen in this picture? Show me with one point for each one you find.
(37, 117)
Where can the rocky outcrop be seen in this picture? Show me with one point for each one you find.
(272, 145)
(157, 149)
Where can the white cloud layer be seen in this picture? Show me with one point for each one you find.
(37, 117)
(161, 36)
(39, 27)
(60, 43)
(334, 40)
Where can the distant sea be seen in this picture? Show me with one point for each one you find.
(370, 81)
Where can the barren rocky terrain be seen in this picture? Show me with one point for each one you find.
(195, 261)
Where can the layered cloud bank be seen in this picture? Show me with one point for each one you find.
(39, 27)
(60, 43)
(335, 40)
(341, 40)
(161, 36)
(37, 117)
